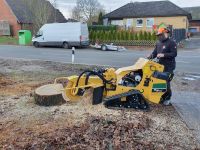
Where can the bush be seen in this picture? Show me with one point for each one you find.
(91, 35)
(106, 35)
(136, 36)
(95, 36)
(145, 35)
(129, 35)
(122, 35)
(118, 35)
(149, 36)
(153, 36)
(102, 34)
(140, 37)
(114, 35)
(109, 36)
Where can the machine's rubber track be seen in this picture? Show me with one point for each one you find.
(134, 100)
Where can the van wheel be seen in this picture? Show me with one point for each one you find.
(103, 47)
(36, 44)
(65, 45)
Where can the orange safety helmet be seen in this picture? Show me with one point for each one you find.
(162, 30)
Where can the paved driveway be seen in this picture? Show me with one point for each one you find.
(188, 107)
(193, 43)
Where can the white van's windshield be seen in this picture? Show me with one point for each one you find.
(84, 29)
(39, 33)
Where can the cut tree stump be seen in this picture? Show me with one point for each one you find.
(49, 95)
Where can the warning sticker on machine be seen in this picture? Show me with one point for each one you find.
(161, 87)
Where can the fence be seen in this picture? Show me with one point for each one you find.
(4, 28)
(128, 42)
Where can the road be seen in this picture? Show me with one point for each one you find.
(187, 60)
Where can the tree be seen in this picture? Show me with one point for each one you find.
(39, 11)
(87, 10)
(100, 18)
(76, 13)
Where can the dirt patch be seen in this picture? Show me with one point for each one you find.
(25, 125)
(5, 82)
(10, 87)
(94, 133)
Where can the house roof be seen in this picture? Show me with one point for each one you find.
(147, 9)
(195, 11)
(25, 15)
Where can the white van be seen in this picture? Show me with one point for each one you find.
(65, 35)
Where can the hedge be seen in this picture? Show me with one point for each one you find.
(114, 35)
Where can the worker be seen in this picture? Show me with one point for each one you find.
(165, 51)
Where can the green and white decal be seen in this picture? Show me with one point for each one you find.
(160, 87)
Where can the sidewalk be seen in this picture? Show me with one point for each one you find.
(188, 107)
(192, 43)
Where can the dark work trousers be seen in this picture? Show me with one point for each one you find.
(168, 94)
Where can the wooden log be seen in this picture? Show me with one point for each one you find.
(49, 95)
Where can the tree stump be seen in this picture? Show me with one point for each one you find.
(49, 95)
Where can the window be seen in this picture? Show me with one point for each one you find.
(117, 22)
(129, 23)
(139, 23)
(39, 33)
(150, 22)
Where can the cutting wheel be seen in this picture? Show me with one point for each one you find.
(70, 92)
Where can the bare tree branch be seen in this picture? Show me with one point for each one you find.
(87, 10)
(40, 11)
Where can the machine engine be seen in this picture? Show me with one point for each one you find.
(132, 79)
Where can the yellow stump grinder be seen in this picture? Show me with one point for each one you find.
(127, 87)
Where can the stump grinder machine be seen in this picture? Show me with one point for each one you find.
(125, 88)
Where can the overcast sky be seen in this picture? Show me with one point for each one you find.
(65, 6)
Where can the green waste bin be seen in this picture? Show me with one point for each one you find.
(24, 37)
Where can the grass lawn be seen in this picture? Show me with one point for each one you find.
(8, 40)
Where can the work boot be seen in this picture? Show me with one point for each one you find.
(167, 103)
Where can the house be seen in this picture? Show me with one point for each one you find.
(20, 16)
(148, 15)
(194, 24)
